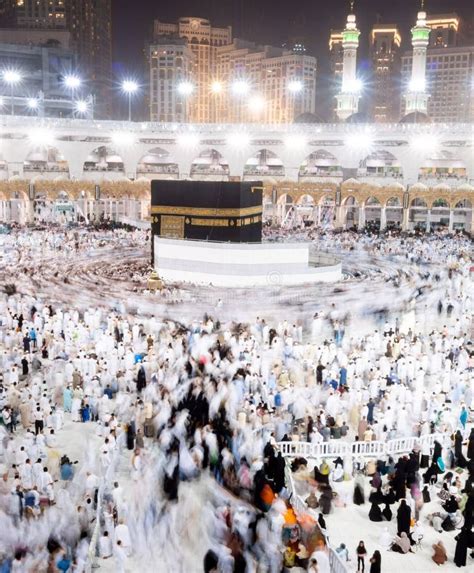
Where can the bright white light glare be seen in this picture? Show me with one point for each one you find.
(217, 87)
(188, 140)
(33, 103)
(122, 138)
(425, 143)
(72, 82)
(295, 141)
(81, 106)
(352, 86)
(129, 86)
(295, 86)
(185, 88)
(238, 140)
(11, 77)
(2, 103)
(362, 141)
(256, 104)
(417, 85)
(240, 87)
(41, 137)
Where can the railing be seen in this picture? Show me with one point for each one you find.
(339, 448)
(300, 507)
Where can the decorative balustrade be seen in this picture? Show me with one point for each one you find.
(300, 507)
(339, 448)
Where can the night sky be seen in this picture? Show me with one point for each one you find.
(268, 22)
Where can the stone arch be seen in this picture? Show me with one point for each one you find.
(440, 203)
(104, 160)
(350, 201)
(320, 163)
(285, 199)
(157, 163)
(265, 165)
(372, 202)
(305, 200)
(45, 162)
(463, 204)
(210, 164)
(393, 212)
(418, 202)
(394, 202)
(380, 163)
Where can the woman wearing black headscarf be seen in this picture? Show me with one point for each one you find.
(403, 518)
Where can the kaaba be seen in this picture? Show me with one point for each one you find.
(227, 212)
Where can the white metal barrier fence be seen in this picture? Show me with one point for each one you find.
(299, 505)
(339, 448)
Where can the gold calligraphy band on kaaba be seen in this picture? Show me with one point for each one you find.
(206, 212)
(198, 222)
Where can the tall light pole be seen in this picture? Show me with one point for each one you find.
(295, 87)
(129, 87)
(185, 89)
(12, 78)
(72, 83)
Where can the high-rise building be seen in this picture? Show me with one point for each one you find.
(199, 74)
(42, 57)
(7, 13)
(449, 77)
(444, 30)
(90, 25)
(416, 96)
(203, 40)
(88, 21)
(40, 13)
(385, 53)
(171, 64)
(349, 92)
(336, 53)
(278, 85)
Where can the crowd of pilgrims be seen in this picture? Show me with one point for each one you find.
(113, 425)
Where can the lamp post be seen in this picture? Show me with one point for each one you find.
(129, 87)
(12, 78)
(240, 88)
(72, 83)
(185, 89)
(295, 87)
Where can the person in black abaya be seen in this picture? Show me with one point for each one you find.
(279, 473)
(377, 496)
(426, 494)
(131, 436)
(387, 513)
(451, 506)
(403, 518)
(325, 501)
(375, 513)
(399, 484)
(459, 458)
(141, 379)
(437, 450)
(470, 445)
(462, 543)
(358, 497)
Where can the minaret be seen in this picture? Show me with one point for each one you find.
(416, 98)
(348, 98)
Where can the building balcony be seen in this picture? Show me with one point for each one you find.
(451, 180)
(109, 168)
(264, 172)
(166, 168)
(316, 174)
